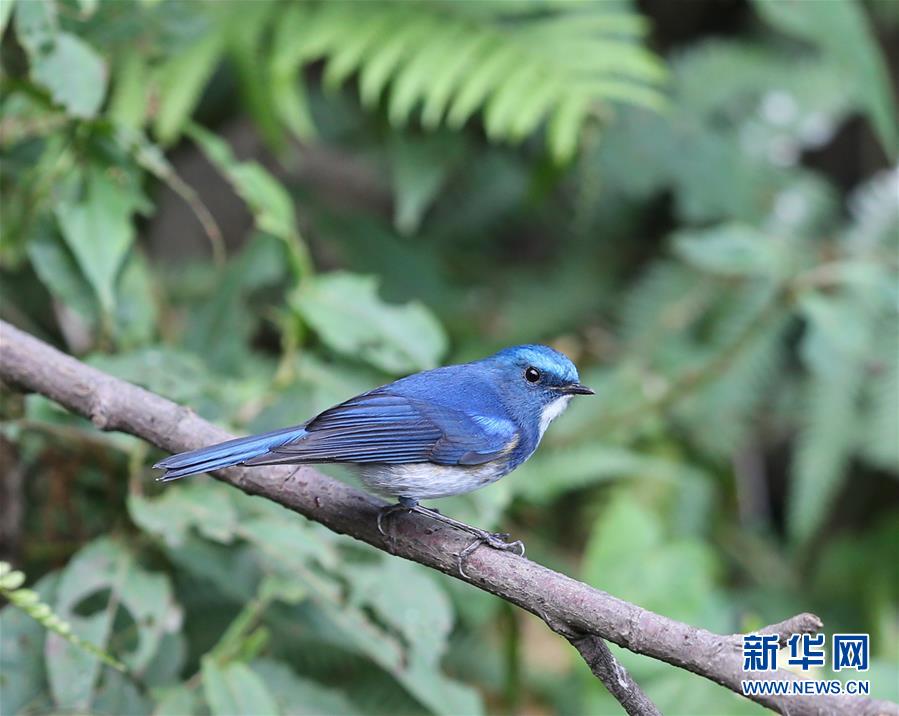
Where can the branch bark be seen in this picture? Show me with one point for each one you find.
(617, 680)
(582, 614)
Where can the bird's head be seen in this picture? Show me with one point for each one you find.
(539, 379)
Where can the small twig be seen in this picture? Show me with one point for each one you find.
(569, 607)
(608, 669)
(200, 210)
(154, 161)
(804, 623)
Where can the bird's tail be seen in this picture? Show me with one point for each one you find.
(233, 452)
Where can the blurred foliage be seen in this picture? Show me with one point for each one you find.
(713, 237)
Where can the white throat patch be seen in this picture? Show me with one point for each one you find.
(553, 411)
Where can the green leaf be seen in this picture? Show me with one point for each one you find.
(248, 39)
(407, 599)
(270, 202)
(202, 505)
(74, 74)
(36, 26)
(455, 61)
(834, 349)
(284, 589)
(88, 7)
(355, 42)
(565, 126)
(168, 661)
(554, 471)
(412, 80)
(631, 556)
(117, 695)
(70, 69)
(292, 105)
(880, 435)
(420, 169)
(383, 60)
(448, 75)
(504, 106)
(180, 700)
(476, 87)
(22, 654)
(135, 309)
(235, 689)
(181, 81)
(875, 214)
(5, 14)
(346, 312)
(284, 541)
(298, 696)
(840, 30)
(220, 326)
(835, 339)
(288, 89)
(732, 250)
(128, 106)
(822, 453)
(58, 271)
(179, 375)
(99, 230)
(280, 537)
(107, 568)
(318, 386)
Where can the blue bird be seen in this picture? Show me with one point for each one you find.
(438, 433)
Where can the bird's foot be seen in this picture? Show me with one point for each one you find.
(387, 511)
(404, 505)
(495, 540)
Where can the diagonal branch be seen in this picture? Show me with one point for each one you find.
(580, 613)
(608, 669)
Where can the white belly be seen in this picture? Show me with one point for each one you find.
(424, 481)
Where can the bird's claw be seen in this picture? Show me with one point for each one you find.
(384, 512)
(495, 540)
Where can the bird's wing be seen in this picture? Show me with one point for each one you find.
(381, 427)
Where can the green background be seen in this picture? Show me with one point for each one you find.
(258, 209)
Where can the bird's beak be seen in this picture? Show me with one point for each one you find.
(576, 389)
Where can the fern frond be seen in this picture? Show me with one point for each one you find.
(553, 65)
(880, 436)
(823, 449)
(872, 240)
(716, 76)
(667, 300)
(875, 214)
(29, 602)
(839, 337)
(285, 60)
(735, 394)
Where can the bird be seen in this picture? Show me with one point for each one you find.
(438, 433)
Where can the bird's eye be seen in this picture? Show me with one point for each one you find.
(532, 375)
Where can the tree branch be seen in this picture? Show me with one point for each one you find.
(580, 613)
(617, 680)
